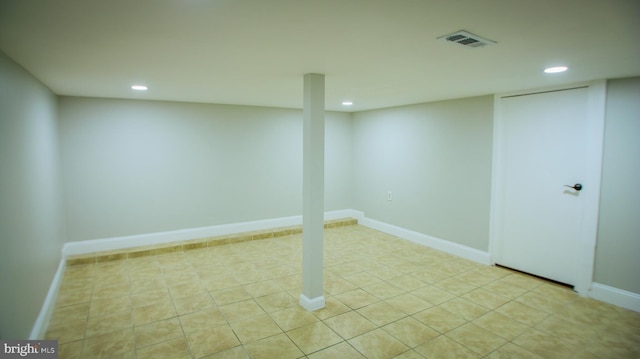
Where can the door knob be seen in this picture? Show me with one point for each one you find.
(576, 186)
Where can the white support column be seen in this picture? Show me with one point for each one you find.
(312, 297)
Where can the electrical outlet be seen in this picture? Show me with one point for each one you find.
(389, 196)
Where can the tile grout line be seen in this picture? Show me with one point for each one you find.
(526, 298)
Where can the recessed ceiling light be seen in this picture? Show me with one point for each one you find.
(347, 103)
(139, 87)
(555, 69)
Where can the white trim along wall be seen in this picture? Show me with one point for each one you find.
(40, 326)
(109, 244)
(598, 291)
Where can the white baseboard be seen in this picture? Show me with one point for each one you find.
(615, 296)
(605, 293)
(40, 326)
(456, 249)
(109, 244)
(339, 214)
(106, 244)
(311, 304)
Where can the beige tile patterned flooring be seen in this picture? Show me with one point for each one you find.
(386, 298)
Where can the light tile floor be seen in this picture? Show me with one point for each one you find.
(386, 298)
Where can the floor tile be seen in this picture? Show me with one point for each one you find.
(383, 290)
(430, 276)
(154, 312)
(385, 272)
(582, 313)
(230, 295)
(454, 269)
(338, 285)
(433, 295)
(485, 298)
(495, 272)
(110, 280)
(510, 351)
(540, 302)
(444, 348)
(464, 308)
(439, 319)
(357, 298)
(234, 353)
(110, 344)
(290, 282)
(413, 301)
(500, 325)
(475, 278)
(74, 312)
(353, 274)
(555, 292)
(72, 350)
(251, 277)
(332, 308)
(410, 354)
(293, 317)
(314, 337)
(378, 344)
(477, 339)
(342, 350)
(276, 301)
(410, 331)
(407, 283)
(118, 290)
(241, 310)
(101, 307)
(261, 289)
(74, 296)
(193, 303)
(175, 348)
(66, 331)
(408, 303)
(455, 286)
(108, 323)
(186, 289)
(220, 283)
(278, 346)
(569, 332)
(615, 345)
(522, 281)
(545, 345)
(252, 329)
(381, 313)
(142, 299)
(208, 318)
(505, 289)
(522, 313)
(350, 324)
(157, 332)
(211, 340)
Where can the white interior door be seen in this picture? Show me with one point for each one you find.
(543, 146)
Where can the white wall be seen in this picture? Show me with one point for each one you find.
(617, 263)
(136, 167)
(435, 158)
(31, 231)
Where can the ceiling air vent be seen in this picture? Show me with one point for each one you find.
(466, 39)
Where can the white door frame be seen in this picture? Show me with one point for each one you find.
(595, 140)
